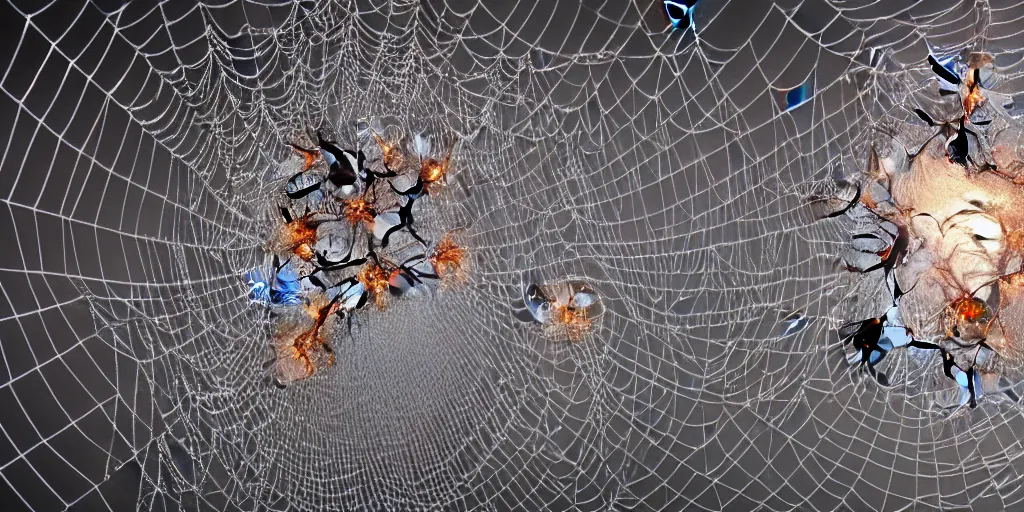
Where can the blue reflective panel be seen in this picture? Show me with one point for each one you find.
(897, 336)
(286, 282)
(328, 157)
(947, 70)
(584, 299)
(950, 64)
(961, 377)
(353, 296)
(284, 289)
(892, 316)
(965, 396)
(800, 95)
(875, 357)
(259, 290)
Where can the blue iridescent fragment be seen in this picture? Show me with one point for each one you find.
(680, 13)
(284, 289)
(793, 323)
(798, 96)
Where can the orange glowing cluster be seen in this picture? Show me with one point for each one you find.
(359, 210)
(299, 236)
(572, 320)
(375, 279)
(967, 312)
(310, 347)
(392, 154)
(433, 170)
(974, 96)
(309, 158)
(448, 257)
(969, 309)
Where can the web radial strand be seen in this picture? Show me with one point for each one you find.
(668, 169)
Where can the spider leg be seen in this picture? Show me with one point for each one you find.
(316, 281)
(412, 192)
(924, 116)
(405, 220)
(943, 73)
(970, 387)
(387, 234)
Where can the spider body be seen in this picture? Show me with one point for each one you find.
(567, 310)
(447, 257)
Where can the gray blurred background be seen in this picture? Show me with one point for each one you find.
(659, 165)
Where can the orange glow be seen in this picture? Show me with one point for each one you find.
(309, 346)
(884, 254)
(308, 158)
(393, 157)
(358, 210)
(301, 348)
(304, 251)
(297, 233)
(969, 309)
(974, 96)
(965, 313)
(435, 171)
(448, 257)
(432, 171)
(573, 320)
(375, 279)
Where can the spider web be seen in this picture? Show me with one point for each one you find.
(662, 166)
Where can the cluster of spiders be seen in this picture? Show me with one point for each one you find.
(568, 310)
(347, 237)
(966, 320)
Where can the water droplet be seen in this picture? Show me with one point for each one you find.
(537, 302)
(792, 324)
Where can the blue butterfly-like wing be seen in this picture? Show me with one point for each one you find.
(680, 13)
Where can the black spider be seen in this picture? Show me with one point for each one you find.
(345, 166)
